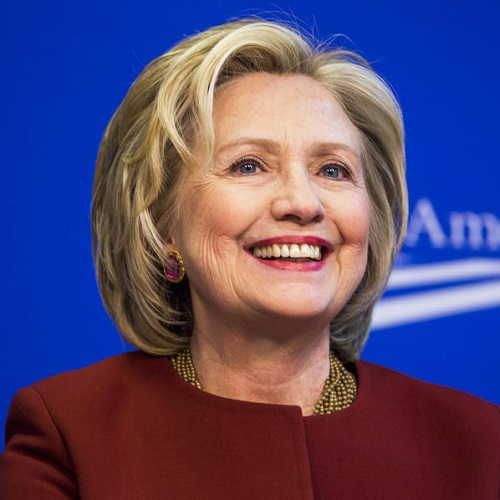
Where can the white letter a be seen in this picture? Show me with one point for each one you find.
(423, 220)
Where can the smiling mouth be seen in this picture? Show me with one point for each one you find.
(291, 251)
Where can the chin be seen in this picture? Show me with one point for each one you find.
(299, 309)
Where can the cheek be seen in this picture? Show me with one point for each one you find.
(354, 221)
(211, 220)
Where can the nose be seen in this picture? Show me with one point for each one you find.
(297, 199)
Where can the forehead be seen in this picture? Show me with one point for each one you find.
(287, 108)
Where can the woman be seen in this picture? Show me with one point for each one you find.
(249, 202)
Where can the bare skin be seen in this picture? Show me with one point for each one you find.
(262, 372)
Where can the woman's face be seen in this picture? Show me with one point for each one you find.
(276, 223)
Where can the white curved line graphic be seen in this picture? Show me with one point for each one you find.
(395, 311)
(443, 272)
(482, 293)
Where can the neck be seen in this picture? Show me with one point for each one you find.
(263, 371)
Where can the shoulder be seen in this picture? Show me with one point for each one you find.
(81, 418)
(397, 384)
(393, 385)
(128, 369)
(100, 397)
(130, 364)
(104, 387)
(427, 404)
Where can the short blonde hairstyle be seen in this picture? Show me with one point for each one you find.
(149, 144)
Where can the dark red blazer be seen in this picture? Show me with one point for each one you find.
(130, 428)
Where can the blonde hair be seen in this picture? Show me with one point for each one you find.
(148, 145)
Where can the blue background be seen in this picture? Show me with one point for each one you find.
(67, 65)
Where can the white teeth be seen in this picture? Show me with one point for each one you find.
(294, 251)
(304, 251)
(291, 251)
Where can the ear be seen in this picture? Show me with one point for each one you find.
(165, 230)
(170, 244)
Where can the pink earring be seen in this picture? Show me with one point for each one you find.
(174, 267)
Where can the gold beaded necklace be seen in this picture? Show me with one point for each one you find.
(339, 391)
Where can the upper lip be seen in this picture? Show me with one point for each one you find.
(290, 239)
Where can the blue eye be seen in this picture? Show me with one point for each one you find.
(335, 171)
(245, 166)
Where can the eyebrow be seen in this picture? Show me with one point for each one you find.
(267, 144)
(274, 147)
